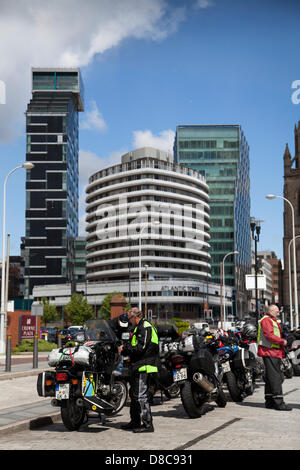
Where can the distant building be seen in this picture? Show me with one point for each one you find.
(52, 185)
(221, 154)
(291, 192)
(277, 273)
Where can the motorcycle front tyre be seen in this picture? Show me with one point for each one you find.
(233, 388)
(72, 415)
(221, 401)
(190, 399)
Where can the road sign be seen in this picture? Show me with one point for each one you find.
(250, 282)
(37, 310)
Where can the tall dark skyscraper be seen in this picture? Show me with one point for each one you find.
(221, 154)
(52, 185)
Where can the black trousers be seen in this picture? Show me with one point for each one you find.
(273, 380)
(140, 411)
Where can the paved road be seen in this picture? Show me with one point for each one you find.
(246, 426)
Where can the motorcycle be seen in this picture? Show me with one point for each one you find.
(238, 364)
(83, 380)
(163, 380)
(293, 349)
(199, 374)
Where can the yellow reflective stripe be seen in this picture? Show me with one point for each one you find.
(154, 337)
(148, 369)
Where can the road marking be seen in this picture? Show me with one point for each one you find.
(291, 391)
(208, 434)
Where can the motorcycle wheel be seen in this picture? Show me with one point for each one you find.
(72, 415)
(174, 390)
(233, 388)
(221, 400)
(118, 400)
(296, 370)
(190, 399)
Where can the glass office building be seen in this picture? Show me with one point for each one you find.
(52, 185)
(221, 154)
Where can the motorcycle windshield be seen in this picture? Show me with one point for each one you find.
(99, 330)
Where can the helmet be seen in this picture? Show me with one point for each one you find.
(249, 331)
(123, 321)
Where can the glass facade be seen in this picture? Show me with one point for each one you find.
(221, 154)
(52, 185)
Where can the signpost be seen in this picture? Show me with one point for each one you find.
(37, 310)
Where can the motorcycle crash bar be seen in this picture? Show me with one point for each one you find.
(203, 382)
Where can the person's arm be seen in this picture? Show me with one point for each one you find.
(143, 337)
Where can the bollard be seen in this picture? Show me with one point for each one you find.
(59, 341)
(8, 354)
(35, 351)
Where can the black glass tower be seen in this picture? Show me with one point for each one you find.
(52, 185)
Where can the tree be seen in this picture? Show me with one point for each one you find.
(104, 311)
(78, 310)
(50, 313)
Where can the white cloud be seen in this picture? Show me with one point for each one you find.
(93, 119)
(203, 4)
(64, 33)
(163, 141)
(90, 163)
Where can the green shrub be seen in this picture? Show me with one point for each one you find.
(181, 325)
(27, 346)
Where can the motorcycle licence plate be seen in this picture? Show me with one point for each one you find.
(62, 391)
(226, 367)
(180, 374)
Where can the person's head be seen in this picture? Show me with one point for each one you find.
(274, 310)
(134, 315)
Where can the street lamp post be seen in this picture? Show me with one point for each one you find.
(272, 196)
(155, 222)
(223, 283)
(290, 285)
(255, 227)
(146, 290)
(27, 166)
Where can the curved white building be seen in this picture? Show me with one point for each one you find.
(147, 215)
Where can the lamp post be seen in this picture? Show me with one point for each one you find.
(146, 290)
(272, 196)
(155, 222)
(27, 166)
(290, 285)
(255, 229)
(223, 283)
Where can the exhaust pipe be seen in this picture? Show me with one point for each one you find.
(203, 382)
(79, 402)
(55, 402)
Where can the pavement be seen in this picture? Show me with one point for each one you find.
(21, 407)
(246, 425)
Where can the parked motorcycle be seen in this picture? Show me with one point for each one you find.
(238, 367)
(199, 374)
(83, 379)
(293, 347)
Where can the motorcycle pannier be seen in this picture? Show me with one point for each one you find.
(203, 361)
(79, 355)
(243, 359)
(46, 384)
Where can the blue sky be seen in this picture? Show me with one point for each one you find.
(149, 66)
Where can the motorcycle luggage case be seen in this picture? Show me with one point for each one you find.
(243, 359)
(202, 361)
(46, 384)
(80, 355)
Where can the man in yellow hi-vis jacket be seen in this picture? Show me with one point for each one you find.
(144, 354)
